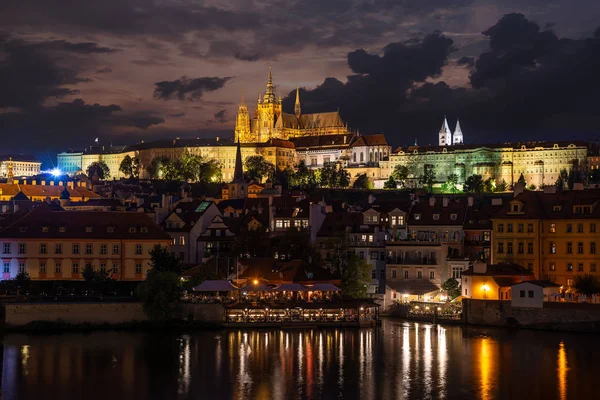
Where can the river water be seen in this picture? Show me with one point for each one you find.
(399, 360)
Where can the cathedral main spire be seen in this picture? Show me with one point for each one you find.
(269, 96)
(297, 109)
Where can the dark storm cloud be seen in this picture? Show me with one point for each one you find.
(220, 116)
(166, 19)
(219, 49)
(466, 61)
(371, 98)
(529, 80)
(80, 48)
(29, 74)
(75, 123)
(188, 89)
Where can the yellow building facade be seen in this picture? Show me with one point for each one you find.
(553, 234)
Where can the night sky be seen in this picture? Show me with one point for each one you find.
(130, 70)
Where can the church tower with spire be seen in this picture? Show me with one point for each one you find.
(242, 123)
(297, 109)
(268, 111)
(445, 134)
(457, 138)
(238, 187)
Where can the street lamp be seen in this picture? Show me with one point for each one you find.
(485, 289)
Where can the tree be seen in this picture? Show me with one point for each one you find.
(188, 166)
(328, 176)
(158, 292)
(474, 184)
(99, 169)
(343, 178)
(210, 171)
(428, 178)
(23, 281)
(502, 186)
(362, 182)
(594, 176)
(532, 187)
(488, 185)
(574, 177)
(400, 174)
(390, 183)
(126, 166)
(452, 288)
(257, 168)
(451, 183)
(356, 276)
(522, 179)
(304, 177)
(155, 167)
(587, 284)
(135, 168)
(162, 260)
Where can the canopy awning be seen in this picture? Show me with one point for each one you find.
(261, 287)
(291, 287)
(413, 288)
(215, 286)
(324, 287)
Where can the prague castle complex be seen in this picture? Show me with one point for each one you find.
(285, 139)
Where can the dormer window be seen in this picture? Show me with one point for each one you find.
(110, 229)
(144, 229)
(417, 216)
(23, 229)
(453, 217)
(556, 208)
(88, 229)
(62, 229)
(45, 228)
(132, 230)
(436, 217)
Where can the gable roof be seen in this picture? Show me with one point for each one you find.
(377, 139)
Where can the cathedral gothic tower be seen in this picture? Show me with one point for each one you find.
(297, 109)
(269, 110)
(242, 123)
(458, 135)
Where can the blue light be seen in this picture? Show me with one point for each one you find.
(56, 172)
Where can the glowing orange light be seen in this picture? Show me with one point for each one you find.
(256, 282)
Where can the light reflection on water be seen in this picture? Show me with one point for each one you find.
(401, 360)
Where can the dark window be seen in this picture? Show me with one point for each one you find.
(521, 293)
(569, 247)
(530, 293)
(530, 248)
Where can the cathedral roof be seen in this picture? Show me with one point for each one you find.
(321, 120)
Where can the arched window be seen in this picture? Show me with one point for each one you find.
(361, 157)
(371, 157)
(376, 156)
(354, 157)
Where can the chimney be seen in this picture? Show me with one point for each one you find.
(550, 189)
(432, 201)
(479, 267)
(445, 201)
(470, 201)
(371, 199)
(578, 186)
(518, 189)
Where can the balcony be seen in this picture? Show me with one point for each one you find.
(412, 260)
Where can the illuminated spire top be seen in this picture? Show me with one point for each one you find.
(457, 130)
(10, 175)
(269, 96)
(445, 128)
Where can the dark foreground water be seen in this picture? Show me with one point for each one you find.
(400, 360)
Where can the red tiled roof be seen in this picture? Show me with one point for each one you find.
(377, 139)
(124, 225)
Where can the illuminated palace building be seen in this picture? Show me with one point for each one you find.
(285, 139)
(540, 163)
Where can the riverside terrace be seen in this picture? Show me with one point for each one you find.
(346, 312)
(258, 304)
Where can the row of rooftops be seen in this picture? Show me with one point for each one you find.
(52, 222)
(539, 145)
(470, 212)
